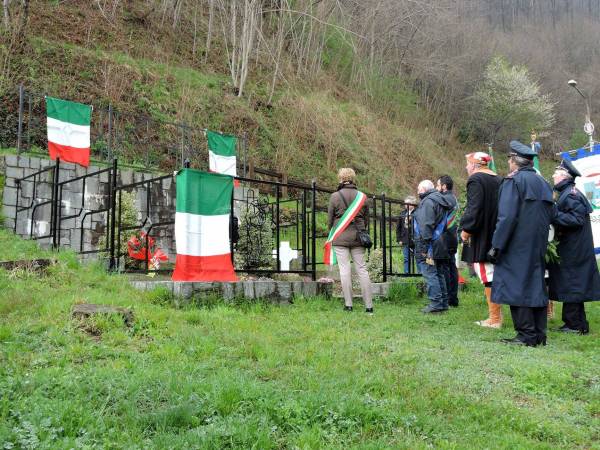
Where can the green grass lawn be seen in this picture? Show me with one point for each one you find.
(306, 375)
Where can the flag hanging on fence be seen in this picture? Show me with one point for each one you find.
(203, 208)
(221, 153)
(68, 130)
(588, 164)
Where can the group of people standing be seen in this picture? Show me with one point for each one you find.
(504, 229)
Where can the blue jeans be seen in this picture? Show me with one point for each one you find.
(406, 253)
(450, 273)
(436, 285)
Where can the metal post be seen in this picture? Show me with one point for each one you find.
(110, 127)
(304, 246)
(383, 243)
(277, 230)
(53, 209)
(29, 122)
(374, 222)
(20, 124)
(314, 230)
(231, 228)
(389, 216)
(112, 206)
(120, 216)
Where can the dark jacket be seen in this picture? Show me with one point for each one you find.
(431, 211)
(404, 229)
(450, 234)
(525, 209)
(480, 215)
(336, 210)
(575, 278)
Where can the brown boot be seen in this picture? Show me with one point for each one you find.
(550, 311)
(495, 312)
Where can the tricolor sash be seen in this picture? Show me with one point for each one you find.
(353, 209)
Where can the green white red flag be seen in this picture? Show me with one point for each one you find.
(68, 130)
(221, 153)
(202, 239)
(353, 209)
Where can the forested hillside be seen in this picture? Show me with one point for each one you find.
(387, 86)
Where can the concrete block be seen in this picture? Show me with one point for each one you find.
(310, 289)
(23, 161)
(9, 223)
(67, 166)
(14, 172)
(228, 290)
(67, 224)
(43, 191)
(80, 171)
(183, 289)
(125, 177)
(104, 177)
(265, 289)
(166, 183)
(9, 197)
(8, 212)
(34, 163)
(284, 290)
(11, 160)
(248, 288)
(65, 174)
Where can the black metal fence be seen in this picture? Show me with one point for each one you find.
(269, 214)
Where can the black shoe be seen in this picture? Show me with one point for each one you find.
(430, 310)
(566, 329)
(369, 311)
(453, 305)
(516, 341)
(348, 308)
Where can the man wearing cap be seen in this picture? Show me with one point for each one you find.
(404, 231)
(478, 223)
(525, 210)
(574, 279)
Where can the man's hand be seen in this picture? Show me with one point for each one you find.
(493, 255)
(465, 237)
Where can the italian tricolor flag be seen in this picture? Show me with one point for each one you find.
(348, 216)
(221, 153)
(69, 131)
(202, 227)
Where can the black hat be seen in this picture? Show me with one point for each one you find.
(568, 166)
(519, 149)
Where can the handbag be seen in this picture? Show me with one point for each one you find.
(363, 237)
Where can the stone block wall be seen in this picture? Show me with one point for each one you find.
(85, 230)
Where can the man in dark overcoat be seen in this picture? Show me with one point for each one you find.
(574, 279)
(525, 209)
(478, 223)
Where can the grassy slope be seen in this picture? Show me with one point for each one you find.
(312, 128)
(306, 375)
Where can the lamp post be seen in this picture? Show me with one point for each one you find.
(588, 128)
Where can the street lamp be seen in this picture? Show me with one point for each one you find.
(589, 126)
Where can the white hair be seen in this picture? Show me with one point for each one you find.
(425, 185)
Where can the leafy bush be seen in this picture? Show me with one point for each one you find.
(255, 245)
(375, 265)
